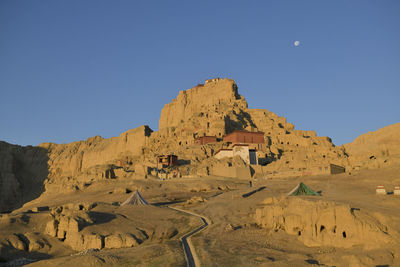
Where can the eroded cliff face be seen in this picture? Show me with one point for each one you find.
(25, 172)
(216, 108)
(323, 223)
(206, 109)
(293, 151)
(22, 173)
(89, 159)
(375, 149)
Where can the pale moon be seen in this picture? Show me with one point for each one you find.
(296, 43)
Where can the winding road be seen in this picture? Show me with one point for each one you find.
(190, 253)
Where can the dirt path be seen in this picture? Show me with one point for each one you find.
(190, 253)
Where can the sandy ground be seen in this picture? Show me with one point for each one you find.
(248, 245)
(233, 238)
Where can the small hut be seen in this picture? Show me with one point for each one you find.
(380, 190)
(396, 190)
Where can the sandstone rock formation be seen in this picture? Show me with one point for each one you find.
(323, 223)
(31, 242)
(77, 157)
(194, 113)
(215, 108)
(72, 226)
(120, 240)
(22, 173)
(375, 149)
(210, 109)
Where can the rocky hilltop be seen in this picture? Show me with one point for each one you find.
(205, 110)
(214, 108)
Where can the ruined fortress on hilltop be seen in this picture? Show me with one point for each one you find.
(207, 130)
(217, 109)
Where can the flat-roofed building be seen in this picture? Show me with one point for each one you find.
(245, 137)
(248, 155)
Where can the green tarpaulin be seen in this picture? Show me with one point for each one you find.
(302, 189)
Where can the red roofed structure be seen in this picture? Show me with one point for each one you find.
(245, 137)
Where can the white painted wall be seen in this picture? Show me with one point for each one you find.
(224, 154)
(243, 152)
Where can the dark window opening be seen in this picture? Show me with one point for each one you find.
(344, 234)
(322, 228)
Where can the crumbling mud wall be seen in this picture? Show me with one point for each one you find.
(323, 223)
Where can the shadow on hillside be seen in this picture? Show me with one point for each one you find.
(183, 162)
(165, 203)
(17, 257)
(239, 122)
(23, 171)
(98, 218)
(254, 191)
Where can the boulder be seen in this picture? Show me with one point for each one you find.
(113, 241)
(84, 241)
(93, 241)
(17, 242)
(51, 228)
(121, 240)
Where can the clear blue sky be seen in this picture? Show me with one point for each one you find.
(74, 69)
